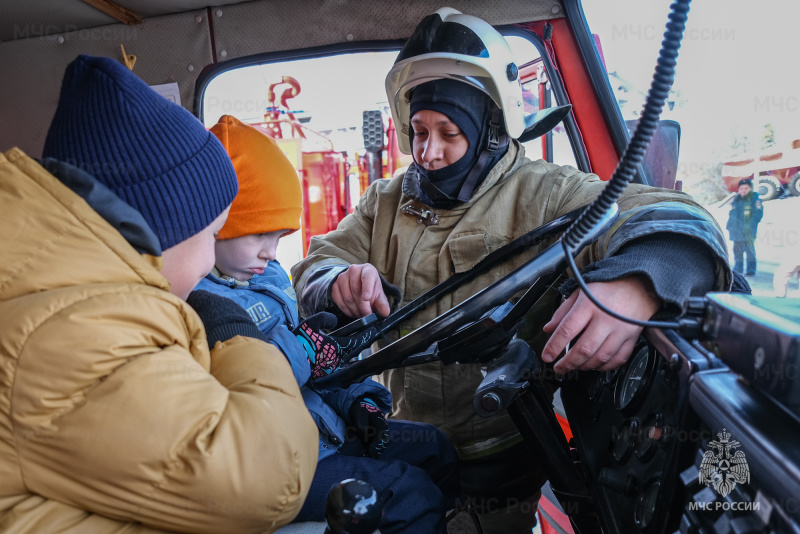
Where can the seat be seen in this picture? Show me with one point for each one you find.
(309, 527)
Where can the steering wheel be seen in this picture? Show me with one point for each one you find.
(624, 461)
(468, 321)
(478, 330)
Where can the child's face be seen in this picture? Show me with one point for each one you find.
(243, 257)
(188, 262)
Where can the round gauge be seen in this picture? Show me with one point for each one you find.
(652, 432)
(631, 384)
(646, 504)
(625, 440)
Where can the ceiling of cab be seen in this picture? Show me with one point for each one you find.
(175, 41)
(23, 19)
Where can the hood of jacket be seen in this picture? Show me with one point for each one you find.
(52, 234)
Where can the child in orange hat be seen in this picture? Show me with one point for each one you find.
(412, 466)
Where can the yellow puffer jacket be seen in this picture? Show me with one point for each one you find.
(114, 416)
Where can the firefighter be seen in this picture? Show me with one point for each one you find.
(746, 212)
(455, 93)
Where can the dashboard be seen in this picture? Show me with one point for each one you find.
(674, 441)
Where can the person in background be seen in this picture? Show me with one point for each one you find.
(455, 94)
(114, 414)
(412, 466)
(746, 212)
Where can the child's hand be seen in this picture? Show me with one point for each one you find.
(325, 352)
(222, 317)
(370, 426)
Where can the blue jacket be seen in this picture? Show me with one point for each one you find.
(744, 217)
(270, 300)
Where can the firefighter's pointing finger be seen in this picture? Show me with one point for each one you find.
(372, 294)
(358, 292)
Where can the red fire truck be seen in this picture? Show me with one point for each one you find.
(774, 170)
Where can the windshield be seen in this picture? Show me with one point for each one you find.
(737, 100)
(315, 108)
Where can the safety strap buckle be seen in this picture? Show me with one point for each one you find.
(426, 217)
(493, 140)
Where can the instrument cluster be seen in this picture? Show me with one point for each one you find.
(626, 432)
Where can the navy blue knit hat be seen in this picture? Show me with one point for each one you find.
(152, 153)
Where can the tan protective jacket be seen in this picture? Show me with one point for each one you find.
(517, 196)
(114, 417)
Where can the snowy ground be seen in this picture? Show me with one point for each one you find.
(778, 242)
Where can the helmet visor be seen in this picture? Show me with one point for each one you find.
(432, 35)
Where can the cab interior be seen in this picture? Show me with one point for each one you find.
(631, 471)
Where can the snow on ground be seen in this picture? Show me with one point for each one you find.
(777, 244)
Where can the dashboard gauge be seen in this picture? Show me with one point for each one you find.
(652, 432)
(634, 378)
(625, 440)
(646, 504)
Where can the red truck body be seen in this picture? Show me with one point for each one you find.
(773, 170)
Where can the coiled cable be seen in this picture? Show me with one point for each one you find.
(634, 153)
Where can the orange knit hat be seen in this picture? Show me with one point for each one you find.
(269, 196)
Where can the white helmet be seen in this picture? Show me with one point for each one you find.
(449, 44)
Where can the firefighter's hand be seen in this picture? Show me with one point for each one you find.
(357, 292)
(605, 342)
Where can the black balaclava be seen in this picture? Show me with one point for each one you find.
(471, 110)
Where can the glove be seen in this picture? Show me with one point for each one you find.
(370, 426)
(222, 317)
(325, 352)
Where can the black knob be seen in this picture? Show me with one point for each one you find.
(491, 402)
(616, 479)
(353, 507)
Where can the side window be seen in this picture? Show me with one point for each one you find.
(315, 109)
(537, 94)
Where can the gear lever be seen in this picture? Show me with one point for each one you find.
(353, 507)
